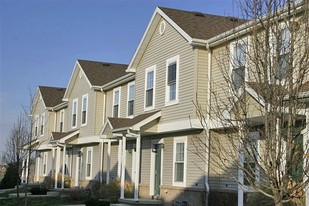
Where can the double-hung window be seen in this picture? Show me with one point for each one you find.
(150, 88)
(250, 156)
(61, 121)
(131, 95)
(84, 109)
(42, 122)
(74, 112)
(239, 50)
(284, 50)
(172, 70)
(36, 127)
(116, 103)
(179, 166)
(45, 164)
(89, 162)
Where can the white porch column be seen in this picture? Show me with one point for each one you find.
(240, 176)
(137, 166)
(27, 166)
(77, 169)
(101, 162)
(119, 159)
(306, 150)
(123, 168)
(108, 161)
(38, 169)
(57, 165)
(53, 162)
(23, 172)
(63, 165)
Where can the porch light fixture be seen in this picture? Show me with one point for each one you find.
(79, 154)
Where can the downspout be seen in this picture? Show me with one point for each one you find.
(208, 130)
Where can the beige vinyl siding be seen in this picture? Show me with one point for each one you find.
(129, 156)
(221, 176)
(195, 162)
(81, 87)
(114, 161)
(96, 162)
(50, 123)
(220, 68)
(160, 49)
(98, 113)
(202, 77)
(167, 169)
(109, 103)
(145, 160)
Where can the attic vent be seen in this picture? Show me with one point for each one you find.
(106, 64)
(232, 18)
(197, 13)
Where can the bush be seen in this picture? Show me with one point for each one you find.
(78, 195)
(11, 177)
(67, 181)
(112, 191)
(222, 198)
(39, 190)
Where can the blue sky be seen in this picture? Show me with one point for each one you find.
(40, 41)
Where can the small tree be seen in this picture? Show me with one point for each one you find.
(257, 105)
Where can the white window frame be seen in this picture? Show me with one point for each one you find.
(148, 70)
(128, 99)
(61, 120)
(232, 65)
(42, 124)
(118, 89)
(82, 110)
(89, 149)
(180, 140)
(168, 101)
(45, 161)
(75, 101)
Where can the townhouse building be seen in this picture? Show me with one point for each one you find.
(141, 122)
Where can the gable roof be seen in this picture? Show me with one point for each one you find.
(52, 96)
(199, 25)
(126, 123)
(100, 73)
(195, 27)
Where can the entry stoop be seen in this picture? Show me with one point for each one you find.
(132, 202)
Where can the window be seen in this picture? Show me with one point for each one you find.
(284, 49)
(61, 121)
(45, 164)
(131, 95)
(172, 70)
(84, 109)
(74, 112)
(239, 50)
(179, 166)
(116, 104)
(42, 122)
(89, 162)
(250, 156)
(149, 88)
(36, 126)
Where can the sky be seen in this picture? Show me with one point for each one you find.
(40, 41)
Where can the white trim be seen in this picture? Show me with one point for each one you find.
(77, 168)
(76, 109)
(169, 61)
(62, 113)
(120, 155)
(148, 70)
(81, 119)
(128, 98)
(118, 89)
(89, 149)
(182, 139)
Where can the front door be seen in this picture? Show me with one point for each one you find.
(157, 170)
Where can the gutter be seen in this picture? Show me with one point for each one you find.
(116, 82)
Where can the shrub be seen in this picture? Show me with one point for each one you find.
(96, 202)
(222, 198)
(67, 180)
(78, 195)
(112, 191)
(39, 189)
(11, 177)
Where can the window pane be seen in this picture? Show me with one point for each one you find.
(130, 107)
(88, 170)
(179, 170)
(84, 117)
(84, 104)
(149, 98)
(238, 77)
(115, 111)
(171, 73)
(180, 152)
(131, 92)
(150, 76)
(172, 91)
(74, 120)
(116, 98)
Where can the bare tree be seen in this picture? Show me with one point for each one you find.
(258, 102)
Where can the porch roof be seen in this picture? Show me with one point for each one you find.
(63, 136)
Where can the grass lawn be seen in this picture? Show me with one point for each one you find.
(38, 201)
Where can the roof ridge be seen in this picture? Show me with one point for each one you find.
(95, 61)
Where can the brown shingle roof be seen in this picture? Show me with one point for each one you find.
(52, 96)
(126, 122)
(199, 25)
(60, 135)
(100, 73)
